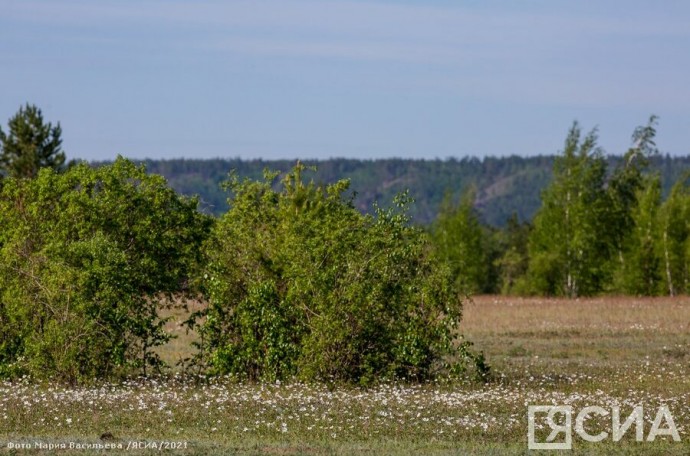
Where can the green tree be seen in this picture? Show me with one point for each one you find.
(300, 283)
(626, 187)
(461, 242)
(568, 246)
(30, 144)
(640, 262)
(674, 239)
(513, 257)
(88, 258)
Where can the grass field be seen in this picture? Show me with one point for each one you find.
(604, 352)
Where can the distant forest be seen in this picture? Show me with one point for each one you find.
(502, 186)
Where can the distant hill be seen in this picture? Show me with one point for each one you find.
(502, 185)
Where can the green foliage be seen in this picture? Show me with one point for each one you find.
(461, 242)
(302, 284)
(87, 259)
(640, 261)
(596, 234)
(513, 257)
(568, 247)
(625, 188)
(504, 185)
(674, 239)
(30, 145)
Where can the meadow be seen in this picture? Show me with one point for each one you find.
(604, 352)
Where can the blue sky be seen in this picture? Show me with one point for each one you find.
(332, 78)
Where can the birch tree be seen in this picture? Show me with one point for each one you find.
(567, 249)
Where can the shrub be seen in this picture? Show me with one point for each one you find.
(87, 259)
(301, 284)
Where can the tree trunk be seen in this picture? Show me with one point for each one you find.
(669, 278)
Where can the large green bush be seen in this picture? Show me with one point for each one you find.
(87, 259)
(301, 284)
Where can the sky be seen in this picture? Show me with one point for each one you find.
(346, 78)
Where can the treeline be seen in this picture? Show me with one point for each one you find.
(598, 230)
(502, 186)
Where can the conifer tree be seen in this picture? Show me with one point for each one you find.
(30, 144)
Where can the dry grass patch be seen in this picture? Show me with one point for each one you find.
(500, 314)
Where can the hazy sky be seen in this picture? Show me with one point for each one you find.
(333, 78)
